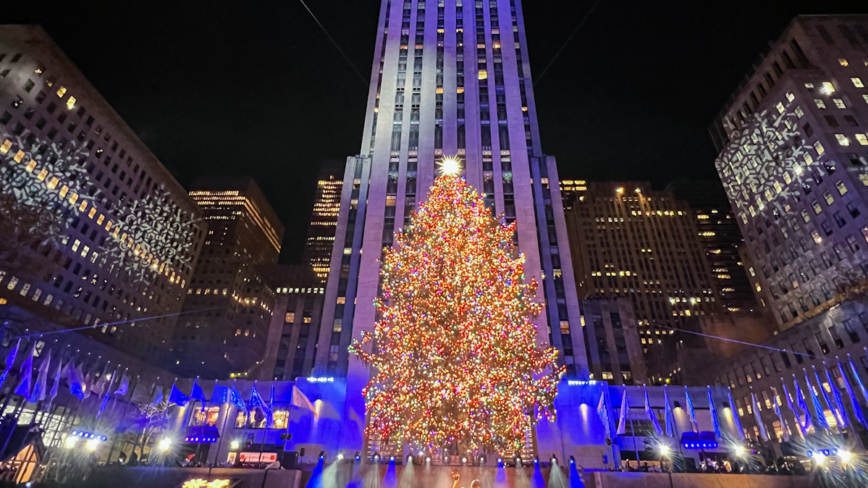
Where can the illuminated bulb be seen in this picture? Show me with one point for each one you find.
(620, 190)
(234, 445)
(164, 444)
(820, 460)
(739, 451)
(340, 456)
(450, 166)
(664, 450)
(845, 456)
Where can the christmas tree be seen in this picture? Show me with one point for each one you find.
(454, 358)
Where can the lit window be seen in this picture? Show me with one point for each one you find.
(790, 96)
(70, 104)
(817, 207)
(819, 147)
(8, 144)
(843, 62)
(842, 140)
(483, 74)
(842, 188)
(839, 103)
(862, 139)
(61, 92)
(290, 317)
(829, 198)
(780, 107)
(52, 184)
(857, 82)
(820, 103)
(865, 97)
(828, 88)
(800, 113)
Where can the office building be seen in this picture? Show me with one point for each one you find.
(228, 310)
(612, 339)
(324, 219)
(630, 241)
(449, 79)
(721, 239)
(295, 323)
(794, 161)
(97, 232)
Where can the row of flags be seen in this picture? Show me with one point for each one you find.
(807, 416)
(669, 415)
(81, 385)
(809, 411)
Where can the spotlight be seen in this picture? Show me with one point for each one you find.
(664, 450)
(820, 460)
(391, 458)
(739, 451)
(845, 456)
(358, 457)
(446, 459)
(554, 460)
(518, 461)
(428, 460)
(410, 459)
(536, 460)
(165, 444)
(322, 455)
(70, 441)
(500, 462)
(234, 445)
(340, 456)
(91, 444)
(463, 460)
(481, 460)
(572, 460)
(376, 458)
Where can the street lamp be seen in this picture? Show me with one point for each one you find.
(234, 445)
(740, 451)
(164, 444)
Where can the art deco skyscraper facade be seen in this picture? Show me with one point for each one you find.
(450, 78)
(793, 144)
(324, 218)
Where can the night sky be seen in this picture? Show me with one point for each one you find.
(256, 89)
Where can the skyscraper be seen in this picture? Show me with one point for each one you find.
(450, 78)
(633, 242)
(324, 218)
(229, 304)
(95, 231)
(721, 239)
(793, 159)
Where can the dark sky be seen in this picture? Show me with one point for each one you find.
(254, 88)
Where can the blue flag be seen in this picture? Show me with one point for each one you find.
(651, 416)
(25, 384)
(735, 419)
(839, 402)
(236, 399)
(758, 417)
(220, 395)
(271, 407)
(671, 427)
(178, 397)
(107, 392)
(690, 410)
(257, 401)
(714, 418)
(826, 398)
(818, 408)
(197, 394)
(602, 411)
(76, 384)
(10, 360)
(792, 407)
(39, 390)
(802, 404)
(857, 409)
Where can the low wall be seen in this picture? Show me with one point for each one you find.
(150, 477)
(698, 480)
(434, 477)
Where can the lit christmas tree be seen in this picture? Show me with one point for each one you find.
(454, 358)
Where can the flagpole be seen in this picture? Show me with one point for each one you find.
(219, 444)
(123, 416)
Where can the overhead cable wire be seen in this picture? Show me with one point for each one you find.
(361, 77)
(585, 18)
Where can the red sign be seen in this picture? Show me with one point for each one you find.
(254, 457)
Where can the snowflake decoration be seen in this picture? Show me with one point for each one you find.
(762, 158)
(41, 187)
(152, 236)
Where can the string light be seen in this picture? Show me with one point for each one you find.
(455, 354)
